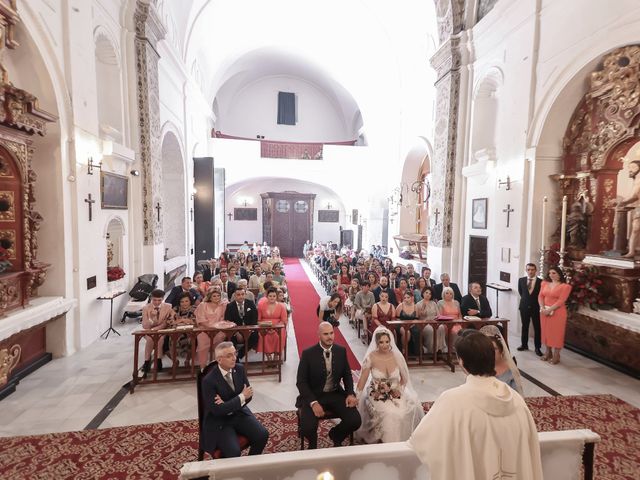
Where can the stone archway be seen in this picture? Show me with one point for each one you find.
(174, 197)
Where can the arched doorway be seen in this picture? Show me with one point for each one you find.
(174, 210)
(412, 209)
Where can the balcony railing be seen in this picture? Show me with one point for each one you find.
(292, 150)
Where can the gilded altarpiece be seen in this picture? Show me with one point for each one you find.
(604, 126)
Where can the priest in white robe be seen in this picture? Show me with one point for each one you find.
(481, 430)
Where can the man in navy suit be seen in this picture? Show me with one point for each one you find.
(529, 289)
(321, 370)
(226, 392)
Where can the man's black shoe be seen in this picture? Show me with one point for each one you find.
(522, 348)
(240, 352)
(538, 352)
(159, 365)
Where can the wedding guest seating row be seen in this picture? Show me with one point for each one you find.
(439, 358)
(174, 373)
(564, 453)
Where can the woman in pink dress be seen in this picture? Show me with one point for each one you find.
(209, 314)
(450, 307)
(276, 313)
(554, 293)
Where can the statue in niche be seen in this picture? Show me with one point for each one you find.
(577, 224)
(633, 200)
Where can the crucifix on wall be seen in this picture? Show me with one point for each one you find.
(90, 202)
(436, 213)
(508, 211)
(158, 207)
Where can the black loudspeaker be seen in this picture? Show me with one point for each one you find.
(354, 216)
(204, 208)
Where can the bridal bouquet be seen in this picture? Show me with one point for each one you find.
(382, 391)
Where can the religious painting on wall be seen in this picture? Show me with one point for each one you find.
(329, 216)
(479, 213)
(245, 214)
(114, 191)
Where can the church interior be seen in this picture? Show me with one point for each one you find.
(146, 141)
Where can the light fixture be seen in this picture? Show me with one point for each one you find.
(422, 187)
(506, 182)
(329, 205)
(135, 173)
(91, 166)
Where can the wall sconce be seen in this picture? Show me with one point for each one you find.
(91, 166)
(422, 188)
(245, 201)
(506, 182)
(193, 193)
(329, 206)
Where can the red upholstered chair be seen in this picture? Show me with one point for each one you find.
(243, 441)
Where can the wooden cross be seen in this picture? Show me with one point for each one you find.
(508, 211)
(229, 215)
(90, 201)
(436, 212)
(158, 207)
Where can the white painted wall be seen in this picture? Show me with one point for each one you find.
(254, 111)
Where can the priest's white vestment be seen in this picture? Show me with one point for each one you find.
(481, 430)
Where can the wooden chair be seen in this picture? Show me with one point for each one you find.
(328, 415)
(243, 441)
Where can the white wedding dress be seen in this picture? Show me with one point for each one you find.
(387, 419)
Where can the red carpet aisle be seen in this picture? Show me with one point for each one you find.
(159, 450)
(304, 301)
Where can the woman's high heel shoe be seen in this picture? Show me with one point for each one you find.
(547, 355)
(556, 358)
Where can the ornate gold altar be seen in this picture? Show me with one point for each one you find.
(602, 130)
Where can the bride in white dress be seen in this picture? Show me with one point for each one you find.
(387, 402)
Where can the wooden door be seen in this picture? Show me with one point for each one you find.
(290, 226)
(346, 238)
(478, 260)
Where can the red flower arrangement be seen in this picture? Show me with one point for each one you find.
(586, 288)
(114, 273)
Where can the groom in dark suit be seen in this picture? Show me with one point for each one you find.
(226, 392)
(320, 371)
(529, 288)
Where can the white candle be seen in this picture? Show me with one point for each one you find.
(544, 219)
(563, 226)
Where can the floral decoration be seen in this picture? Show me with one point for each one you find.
(382, 391)
(115, 273)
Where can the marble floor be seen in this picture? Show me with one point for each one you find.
(67, 393)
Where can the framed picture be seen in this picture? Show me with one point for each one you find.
(328, 216)
(479, 213)
(506, 255)
(114, 191)
(245, 214)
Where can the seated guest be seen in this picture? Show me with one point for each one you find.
(407, 311)
(276, 313)
(426, 274)
(352, 291)
(474, 303)
(185, 287)
(209, 314)
(228, 286)
(322, 367)
(183, 315)
(226, 392)
(381, 313)
(450, 307)
(446, 282)
(244, 248)
(384, 287)
(232, 271)
(242, 284)
(363, 303)
(344, 278)
(372, 278)
(278, 276)
(242, 312)
(479, 428)
(283, 299)
(402, 288)
(256, 279)
(200, 285)
(361, 273)
(155, 316)
(428, 309)
(330, 309)
(411, 272)
(506, 369)
(217, 283)
(397, 270)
